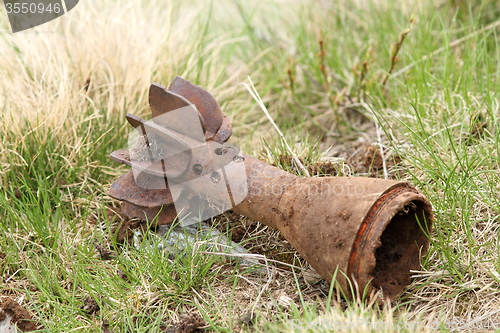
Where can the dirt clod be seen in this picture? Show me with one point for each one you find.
(105, 326)
(90, 306)
(367, 160)
(20, 316)
(188, 323)
(104, 253)
(324, 168)
(319, 168)
(121, 274)
(247, 319)
(240, 227)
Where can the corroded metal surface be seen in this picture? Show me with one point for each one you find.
(224, 132)
(393, 227)
(204, 101)
(163, 101)
(125, 189)
(345, 223)
(162, 215)
(372, 231)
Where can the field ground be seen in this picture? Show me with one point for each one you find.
(405, 90)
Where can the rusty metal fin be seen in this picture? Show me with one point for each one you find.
(204, 101)
(163, 101)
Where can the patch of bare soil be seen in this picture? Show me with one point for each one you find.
(324, 168)
(90, 306)
(105, 326)
(367, 160)
(257, 298)
(360, 158)
(18, 315)
(317, 169)
(187, 323)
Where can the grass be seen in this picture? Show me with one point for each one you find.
(319, 68)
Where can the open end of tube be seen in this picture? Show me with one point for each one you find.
(391, 240)
(402, 242)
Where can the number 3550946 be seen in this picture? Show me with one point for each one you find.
(32, 8)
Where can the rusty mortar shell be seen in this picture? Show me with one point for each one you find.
(368, 232)
(373, 231)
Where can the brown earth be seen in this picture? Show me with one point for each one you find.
(188, 323)
(20, 316)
